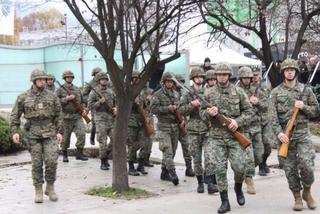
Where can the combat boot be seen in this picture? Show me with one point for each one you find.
(65, 156)
(189, 170)
(250, 185)
(306, 195)
(262, 171)
(132, 170)
(103, 165)
(200, 188)
(174, 176)
(141, 167)
(240, 197)
(148, 162)
(50, 192)
(298, 205)
(265, 165)
(80, 155)
(164, 174)
(107, 162)
(39, 193)
(212, 184)
(92, 137)
(225, 205)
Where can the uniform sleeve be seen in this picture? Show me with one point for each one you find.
(245, 109)
(93, 102)
(61, 97)
(185, 106)
(16, 114)
(203, 111)
(155, 106)
(311, 108)
(262, 104)
(273, 114)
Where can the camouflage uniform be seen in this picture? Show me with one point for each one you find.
(299, 165)
(42, 111)
(104, 119)
(168, 127)
(210, 74)
(52, 87)
(72, 120)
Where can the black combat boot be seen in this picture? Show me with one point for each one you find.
(107, 162)
(265, 166)
(65, 156)
(132, 170)
(164, 174)
(148, 163)
(240, 197)
(200, 188)
(189, 170)
(174, 176)
(103, 165)
(93, 135)
(80, 155)
(212, 184)
(141, 167)
(205, 178)
(262, 171)
(225, 205)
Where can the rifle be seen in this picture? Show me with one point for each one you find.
(107, 105)
(283, 151)
(144, 116)
(76, 103)
(244, 141)
(263, 78)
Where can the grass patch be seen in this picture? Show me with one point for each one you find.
(107, 192)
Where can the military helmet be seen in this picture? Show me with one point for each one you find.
(196, 72)
(211, 74)
(166, 76)
(256, 70)
(38, 74)
(135, 74)
(245, 72)
(223, 68)
(95, 71)
(102, 75)
(51, 76)
(67, 73)
(180, 78)
(289, 63)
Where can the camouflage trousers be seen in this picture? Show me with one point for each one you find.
(258, 147)
(43, 151)
(168, 143)
(199, 143)
(103, 132)
(76, 126)
(224, 149)
(249, 163)
(299, 165)
(138, 139)
(185, 147)
(266, 139)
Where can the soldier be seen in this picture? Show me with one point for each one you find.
(197, 130)
(211, 78)
(252, 129)
(233, 103)
(72, 120)
(138, 139)
(183, 139)
(42, 111)
(164, 105)
(50, 83)
(101, 103)
(299, 165)
(86, 91)
(206, 64)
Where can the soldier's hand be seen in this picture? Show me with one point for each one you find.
(102, 100)
(283, 138)
(172, 108)
(253, 100)
(213, 111)
(59, 138)
(70, 97)
(195, 103)
(16, 138)
(84, 112)
(233, 126)
(114, 111)
(299, 104)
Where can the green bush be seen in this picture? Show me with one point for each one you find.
(6, 144)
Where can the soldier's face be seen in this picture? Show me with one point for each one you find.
(103, 82)
(69, 79)
(168, 84)
(211, 82)
(198, 80)
(207, 64)
(223, 79)
(40, 83)
(246, 81)
(49, 82)
(289, 74)
(256, 78)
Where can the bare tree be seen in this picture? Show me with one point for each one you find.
(261, 18)
(134, 27)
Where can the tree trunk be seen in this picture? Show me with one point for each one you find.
(119, 154)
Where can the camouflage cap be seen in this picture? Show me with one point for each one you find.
(245, 72)
(38, 74)
(95, 71)
(166, 76)
(180, 78)
(289, 63)
(102, 75)
(211, 74)
(196, 72)
(51, 76)
(67, 73)
(223, 68)
(256, 70)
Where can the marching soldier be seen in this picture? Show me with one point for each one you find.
(50, 83)
(232, 102)
(164, 105)
(101, 103)
(72, 120)
(299, 165)
(42, 111)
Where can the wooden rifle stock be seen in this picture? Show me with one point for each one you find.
(182, 128)
(283, 151)
(144, 116)
(243, 141)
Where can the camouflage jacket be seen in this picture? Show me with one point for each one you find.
(159, 106)
(69, 108)
(51, 88)
(281, 105)
(231, 102)
(194, 123)
(141, 101)
(87, 89)
(42, 111)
